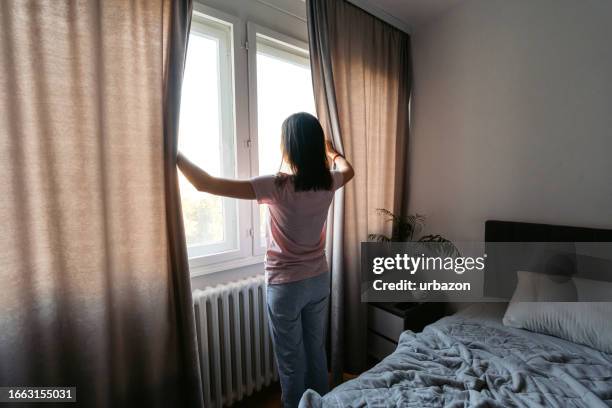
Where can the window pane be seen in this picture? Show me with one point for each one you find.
(284, 87)
(207, 139)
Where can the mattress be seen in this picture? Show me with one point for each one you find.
(471, 359)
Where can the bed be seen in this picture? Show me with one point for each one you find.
(472, 359)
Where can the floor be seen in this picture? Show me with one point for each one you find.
(269, 397)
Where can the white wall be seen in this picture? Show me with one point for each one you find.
(512, 115)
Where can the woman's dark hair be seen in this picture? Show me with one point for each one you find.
(303, 146)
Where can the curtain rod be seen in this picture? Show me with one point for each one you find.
(366, 5)
(370, 7)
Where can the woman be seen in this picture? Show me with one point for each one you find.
(297, 274)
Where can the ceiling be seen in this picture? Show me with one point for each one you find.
(408, 14)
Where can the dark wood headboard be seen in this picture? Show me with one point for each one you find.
(510, 231)
(500, 273)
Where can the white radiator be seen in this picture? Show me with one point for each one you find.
(234, 341)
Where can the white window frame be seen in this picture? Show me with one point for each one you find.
(288, 46)
(200, 265)
(243, 52)
(211, 28)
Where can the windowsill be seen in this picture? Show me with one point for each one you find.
(200, 270)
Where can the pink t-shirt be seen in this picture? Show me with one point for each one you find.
(295, 231)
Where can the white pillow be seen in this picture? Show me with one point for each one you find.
(585, 323)
(539, 287)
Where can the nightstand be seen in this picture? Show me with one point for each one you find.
(387, 321)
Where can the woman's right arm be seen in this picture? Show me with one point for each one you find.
(204, 182)
(342, 165)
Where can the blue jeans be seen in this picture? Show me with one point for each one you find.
(298, 321)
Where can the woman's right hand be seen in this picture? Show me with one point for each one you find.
(329, 148)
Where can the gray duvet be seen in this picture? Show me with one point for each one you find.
(472, 360)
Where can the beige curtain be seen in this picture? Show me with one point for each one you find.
(95, 287)
(361, 76)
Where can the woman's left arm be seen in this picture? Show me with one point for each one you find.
(214, 185)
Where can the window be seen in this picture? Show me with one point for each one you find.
(206, 132)
(282, 74)
(235, 96)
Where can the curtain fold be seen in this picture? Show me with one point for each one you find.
(362, 83)
(177, 24)
(178, 21)
(95, 285)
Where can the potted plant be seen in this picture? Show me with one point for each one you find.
(406, 228)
